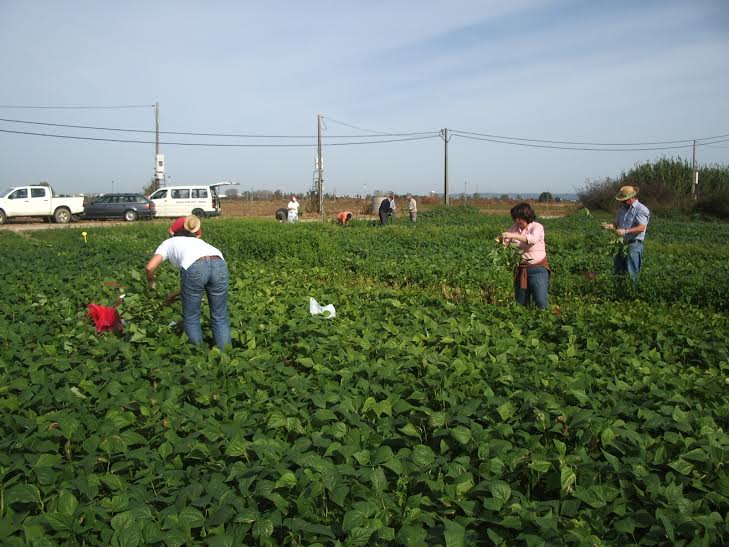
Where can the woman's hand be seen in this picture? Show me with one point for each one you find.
(509, 236)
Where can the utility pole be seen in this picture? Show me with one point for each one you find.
(159, 160)
(444, 134)
(319, 168)
(695, 185)
(156, 128)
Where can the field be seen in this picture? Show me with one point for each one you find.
(429, 411)
(266, 209)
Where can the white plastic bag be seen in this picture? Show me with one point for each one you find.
(315, 309)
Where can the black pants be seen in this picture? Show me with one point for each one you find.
(383, 217)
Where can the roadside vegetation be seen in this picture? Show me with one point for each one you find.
(666, 188)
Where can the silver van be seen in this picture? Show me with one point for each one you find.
(197, 199)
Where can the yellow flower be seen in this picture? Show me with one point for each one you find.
(83, 235)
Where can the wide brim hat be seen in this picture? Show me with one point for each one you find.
(192, 223)
(627, 192)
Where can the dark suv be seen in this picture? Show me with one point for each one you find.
(123, 206)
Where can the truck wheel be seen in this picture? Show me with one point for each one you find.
(199, 213)
(130, 216)
(62, 216)
(3, 218)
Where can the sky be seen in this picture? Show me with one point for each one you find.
(616, 71)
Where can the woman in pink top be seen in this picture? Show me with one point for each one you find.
(531, 277)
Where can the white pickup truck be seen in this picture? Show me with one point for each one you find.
(38, 201)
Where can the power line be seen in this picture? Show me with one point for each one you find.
(224, 145)
(78, 107)
(589, 149)
(382, 133)
(578, 143)
(190, 133)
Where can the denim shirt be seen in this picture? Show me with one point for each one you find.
(631, 216)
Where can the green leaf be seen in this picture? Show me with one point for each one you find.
(455, 534)
(567, 479)
(437, 419)
(411, 430)
(461, 434)
(540, 466)
(682, 466)
(129, 537)
(696, 455)
(22, 493)
(359, 536)
(67, 503)
(263, 528)
(501, 491)
(354, 518)
(595, 496)
(48, 460)
(506, 411)
(190, 517)
(59, 522)
(378, 480)
(423, 456)
(123, 520)
(287, 480)
(665, 519)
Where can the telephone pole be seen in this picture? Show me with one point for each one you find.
(444, 134)
(695, 185)
(159, 160)
(319, 168)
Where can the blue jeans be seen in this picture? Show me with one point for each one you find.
(537, 285)
(630, 263)
(211, 277)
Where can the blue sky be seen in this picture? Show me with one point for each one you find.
(565, 70)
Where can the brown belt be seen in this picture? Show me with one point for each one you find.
(520, 272)
(212, 257)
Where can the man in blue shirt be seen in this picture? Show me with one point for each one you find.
(631, 223)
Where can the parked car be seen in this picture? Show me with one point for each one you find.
(38, 201)
(129, 207)
(177, 201)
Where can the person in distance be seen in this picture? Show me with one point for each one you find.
(282, 214)
(344, 217)
(412, 208)
(531, 276)
(385, 210)
(202, 270)
(631, 223)
(293, 208)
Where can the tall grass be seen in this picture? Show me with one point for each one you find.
(666, 186)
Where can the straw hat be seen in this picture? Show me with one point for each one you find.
(627, 192)
(192, 223)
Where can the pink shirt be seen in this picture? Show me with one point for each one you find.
(534, 250)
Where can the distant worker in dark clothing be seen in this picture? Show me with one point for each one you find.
(282, 214)
(386, 209)
(178, 226)
(344, 217)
